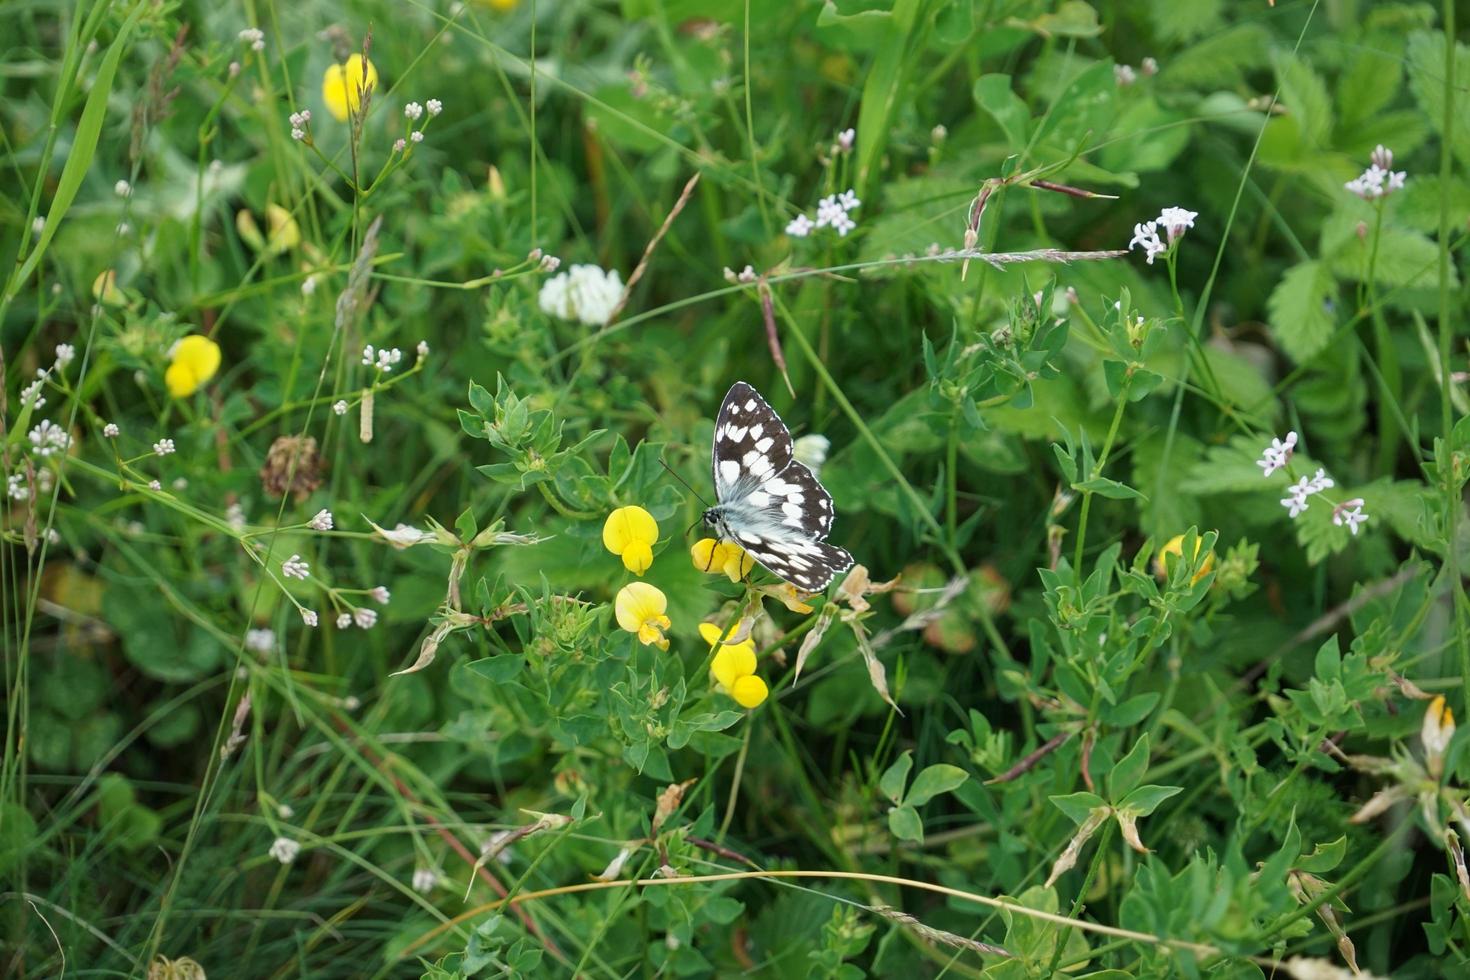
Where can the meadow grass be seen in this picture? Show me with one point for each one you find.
(354, 418)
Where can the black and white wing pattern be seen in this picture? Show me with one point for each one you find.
(768, 502)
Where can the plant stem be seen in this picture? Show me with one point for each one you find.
(1102, 460)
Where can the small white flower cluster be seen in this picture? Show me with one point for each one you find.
(364, 618)
(845, 140)
(122, 189)
(309, 617)
(832, 212)
(1276, 456)
(1175, 222)
(260, 641)
(19, 489)
(435, 107)
(1379, 180)
(300, 122)
(744, 276)
(284, 849)
(155, 485)
(322, 521)
(379, 594)
(1125, 75)
(584, 293)
(413, 112)
(294, 567)
(424, 880)
(163, 447)
(422, 349)
(110, 430)
(383, 359)
(235, 516)
(48, 438)
(254, 37)
(65, 354)
(339, 407)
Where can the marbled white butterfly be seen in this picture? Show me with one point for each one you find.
(767, 502)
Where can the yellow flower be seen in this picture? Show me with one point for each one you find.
(631, 533)
(343, 85)
(710, 555)
(1439, 728)
(104, 289)
(503, 6)
(1175, 546)
(193, 362)
(734, 666)
(640, 609)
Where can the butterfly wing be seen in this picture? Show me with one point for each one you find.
(751, 443)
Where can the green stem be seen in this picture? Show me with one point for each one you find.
(1102, 460)
(1098, 856)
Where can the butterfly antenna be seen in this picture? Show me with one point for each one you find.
(686, 484)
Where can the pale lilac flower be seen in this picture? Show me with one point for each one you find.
(344, 620)
(1380, 178)
(799, 226)
(417, 135)
(309, 617)
(435, 107)
(340, 406)
(849, 200)
(110, 430)
(1320, 481)
(845, 139)
(299, 123)
(65, 354)
(1278, 454)
(1147, 236)
(550, 263)
(399, 145)
(284, 849)
(1176, 221)
(413, 111)
(1296, 502)
(294, 567)
(1349, 512)
(260, 641)
(380, 594)
(1124, 75)
(404, 535)
(365, 618)
(322, 521)
(154, 485)
(163, 447)
(842, 224)
(746, 275)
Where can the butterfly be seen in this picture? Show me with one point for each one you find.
(766, 501)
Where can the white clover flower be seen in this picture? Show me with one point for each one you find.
(380, 594)
(284, 849)
(1176, 221)
(1124, 75)
(435, 107)
(344, 620)
(309, 617)
(122, 189)
(294, 567)
(260, 641)
(110, 430)
(584, 293)
(48, 438)
(1278, 454)
(413, 111)
(812, 450)
(417, 135)
(1349, 512)
(424, 879)
(365, 618)
(163, 447)
(339, 406)
(799, 226)
(15, 486)
(65, 354)
(845, 139)
(322, 521)
(254, 37)
(1147, 236)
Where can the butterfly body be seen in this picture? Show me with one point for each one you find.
(770, 503)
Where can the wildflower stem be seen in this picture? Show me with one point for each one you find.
(1102, 460)
(1105, 837)
(561, 508)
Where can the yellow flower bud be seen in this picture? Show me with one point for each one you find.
(1438, 729)
(1175, 546)
(343, 86)
(194, 360)
(631, 532)
(639, 608)
(104, 289)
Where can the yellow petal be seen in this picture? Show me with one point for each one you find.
(638, 602)
(200, 354)
(731, 664)
(704, 554)
(737, 563)
(1175, 546)
(710, 632)
(628, 525)
(749, 691)
(285, 233)
(637, 557)
(180, 380)
(343, 85)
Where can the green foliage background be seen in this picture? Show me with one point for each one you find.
(1013, 443)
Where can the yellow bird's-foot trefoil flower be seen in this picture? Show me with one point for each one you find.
(1439, 728)
(734, 666)
(344, 86)
(630, 532)
(714, 556)
(1175, 546)
(192, 362)
(640, 610)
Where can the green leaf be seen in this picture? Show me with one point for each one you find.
(883, 87)
(1301, 310)
(932, 781)
(1427, 63)
(1132, 711)
(1146, 799)
(892, 782)
(995, 94)
(497, 670)
(1324, 857)
(1112, 489)
(1078, 806)
(905, 824)
(1129, 770)
(83, 147)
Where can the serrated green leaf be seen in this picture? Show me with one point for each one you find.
(1302, 310)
